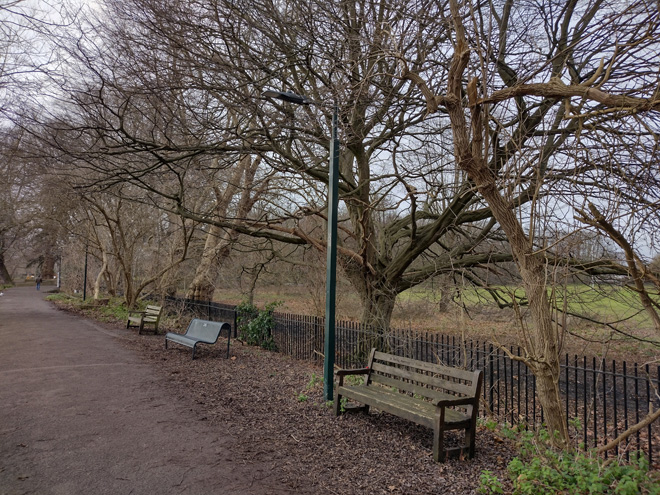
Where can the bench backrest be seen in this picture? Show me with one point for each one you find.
(205, 330)
(152, 312)
(427, 380)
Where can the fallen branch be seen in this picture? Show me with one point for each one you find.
(650, 418)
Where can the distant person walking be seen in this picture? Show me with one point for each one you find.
(38, 281)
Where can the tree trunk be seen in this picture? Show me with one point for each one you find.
(48, 267)
(377, 307)
(219, 241)
(5, 277)
(539, 339)
(101, 275)
(216, 250)
(547, 389)
(541, 342)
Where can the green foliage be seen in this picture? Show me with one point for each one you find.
(246, 312)
(354, 380)
(314, 381)
(542, 470)
(302, 397)
(61, 297)
(488, 423)
(114, 310)
(255, 327)
(488, 483)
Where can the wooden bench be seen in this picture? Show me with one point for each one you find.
(200, 332)
(435, 396)
(150, 316)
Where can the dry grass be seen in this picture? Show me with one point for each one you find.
(474, 320)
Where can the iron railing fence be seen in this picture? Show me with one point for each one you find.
(601, 398)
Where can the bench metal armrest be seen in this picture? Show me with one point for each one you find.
(459, 401)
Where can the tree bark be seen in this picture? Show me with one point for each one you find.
(216, 250)
(5, 277)
(101, 275)
(540, 342)
(219, 240)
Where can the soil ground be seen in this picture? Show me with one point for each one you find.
(87, 407)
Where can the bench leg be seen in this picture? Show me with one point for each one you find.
(470, 441)
(194, 348)
(337, 404)
(439, 436)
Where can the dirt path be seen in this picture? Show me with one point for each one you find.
(82, 413)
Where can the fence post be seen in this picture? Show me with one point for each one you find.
(491, 403)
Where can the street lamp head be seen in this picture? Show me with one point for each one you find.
(287, 96)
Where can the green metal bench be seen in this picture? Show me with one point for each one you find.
(435, 396)
(150, 316)
(200, 332)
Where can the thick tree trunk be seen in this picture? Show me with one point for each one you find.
(48, 266)
(216, 250)
(377, 307)
(219, 241)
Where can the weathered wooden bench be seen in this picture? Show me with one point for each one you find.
(150, 316)
(200, 332)
(438, 397)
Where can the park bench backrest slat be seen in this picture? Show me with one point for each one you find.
(462, 374)
(425, 379)
(152, 311)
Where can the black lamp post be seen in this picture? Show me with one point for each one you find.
(331, 265)
(85, 276)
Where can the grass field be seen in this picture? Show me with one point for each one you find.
(595, 316)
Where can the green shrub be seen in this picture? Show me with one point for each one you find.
(61, 296)
(255, 327)
(114, 310)
(542, 470)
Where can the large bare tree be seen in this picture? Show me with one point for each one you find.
(407, 212)
(524, 82)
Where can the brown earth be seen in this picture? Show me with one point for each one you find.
(95, 408)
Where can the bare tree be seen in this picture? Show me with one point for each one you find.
(407, 212)
(512, 115)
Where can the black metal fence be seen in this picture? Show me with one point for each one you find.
(602, 399)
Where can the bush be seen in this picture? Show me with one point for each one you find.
(255, 327)
(61, 297)
(542, 470)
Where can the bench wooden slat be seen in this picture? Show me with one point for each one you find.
(427, 393)
(423, 365)
(441, 383)
(151, 315)
(404, 406)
